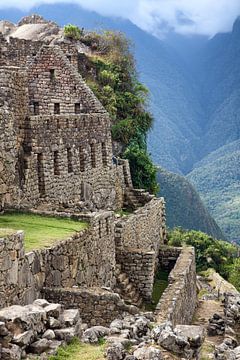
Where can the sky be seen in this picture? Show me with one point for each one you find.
(205, 17)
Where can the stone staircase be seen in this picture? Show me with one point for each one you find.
(136, 198)
(126, 289)
(131, 200)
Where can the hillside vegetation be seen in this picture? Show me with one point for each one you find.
(183, 205)
(217, 178)
(112, 76)
(210, 253)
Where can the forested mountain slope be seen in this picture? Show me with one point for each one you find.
(183, 205)
(217, 178)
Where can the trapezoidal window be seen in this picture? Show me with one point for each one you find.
(52, 74)
(104, 154)
(81, 159)
(41, 180)
(77, 108)
(56, 108)
(93, 155)
(36, 108)
(69, 160)
(56, 163)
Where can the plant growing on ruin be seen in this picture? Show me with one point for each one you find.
(217, 254)
(72, 32)
(115, 83)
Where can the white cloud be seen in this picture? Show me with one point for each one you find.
(156, 16)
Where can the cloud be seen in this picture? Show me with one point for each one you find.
(205, 17)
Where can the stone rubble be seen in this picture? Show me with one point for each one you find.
(135, 338)
(228, 326)
(35, 329)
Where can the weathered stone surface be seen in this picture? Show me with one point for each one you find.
(70, 317)
(53, 310)
(24, 339)
(148, 353)
(66, 334)
(40, 346)
(49, 334)
(115, 352)
(93, 334)
(11, 353)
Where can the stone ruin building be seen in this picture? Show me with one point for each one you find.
(56, 158)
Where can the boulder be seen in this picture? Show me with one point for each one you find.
(24, 339)
(49, 334)
(70, 317)
(12, 353)
(41, 302)
(65, 334)
(148, 353)
(115, 352)
(3, 329)
(53, 310)
(40, 346)
(93, 334)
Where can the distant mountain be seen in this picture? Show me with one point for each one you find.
(217, 178)
(183, 205)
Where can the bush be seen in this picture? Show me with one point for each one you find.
(72, 32)
(234, 273)
(142, 169)
(210, 252)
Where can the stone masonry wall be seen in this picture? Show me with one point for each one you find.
(13, 105)
(179, 300)
(140, 266)
(138, 238)
(85, 259)
(17, 282)
(144, 229)
(70, 173)
(96, 306)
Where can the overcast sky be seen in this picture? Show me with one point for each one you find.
(184, 16)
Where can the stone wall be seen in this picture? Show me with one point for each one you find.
(179, 300)
(85, 259)
(140, 266)
(13, 105)
(168, 256)
(59, 146)
(17, 282)
(96, 306)
(144, 229)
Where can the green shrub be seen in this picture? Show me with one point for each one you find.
(234, 273)
(142, 169)
(72, 32)
(210, 252)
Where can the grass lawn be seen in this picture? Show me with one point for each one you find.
(40, 231)
(78, 351)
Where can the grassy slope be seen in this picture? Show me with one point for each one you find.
(217, 178)
(78, 351)
(183, 205)
(40, 231)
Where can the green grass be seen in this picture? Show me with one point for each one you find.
(79, 351)
(160, 284)
(124, 212)
(40, 231)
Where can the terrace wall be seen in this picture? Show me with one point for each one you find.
(179, 300)
(85, 259)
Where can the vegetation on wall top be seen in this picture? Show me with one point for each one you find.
(112, 77)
